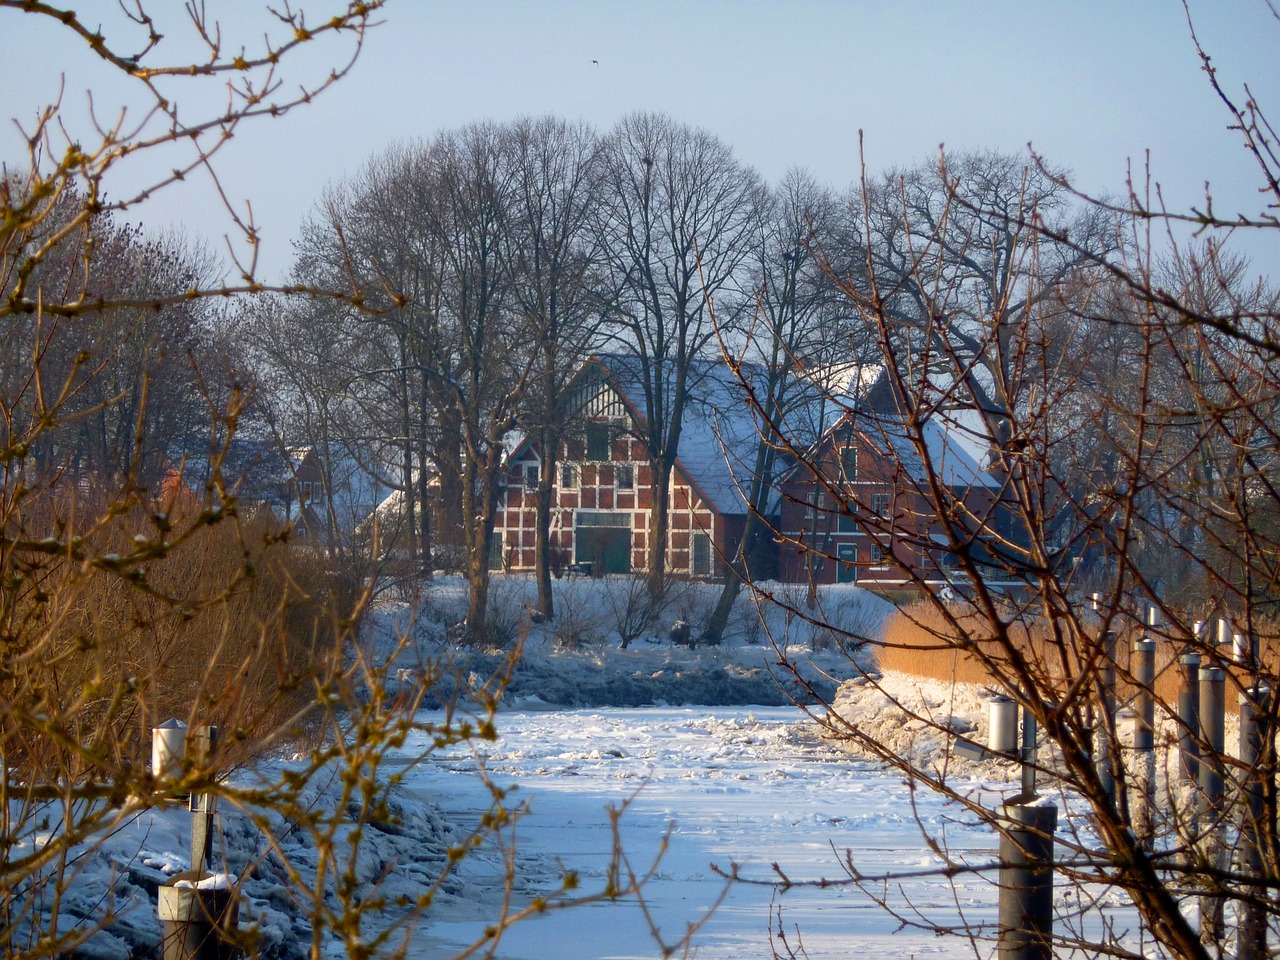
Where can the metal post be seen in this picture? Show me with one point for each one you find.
(203, 805)
(1026, 881)
(1189, 717)
(168, 746)
(1254, 732)
(1144, 742)
(1107, 722)
(1028, 755)
(1213, 736)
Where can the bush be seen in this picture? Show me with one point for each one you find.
(226, 625)
(576, 625)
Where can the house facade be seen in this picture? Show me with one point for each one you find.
(859, 510)
(854, 510)
(603, 488)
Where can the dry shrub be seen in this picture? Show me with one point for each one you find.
(226, 622)
(577, 623)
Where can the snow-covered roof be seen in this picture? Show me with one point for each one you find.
(720, 433)
(947, 457)
(947, 439)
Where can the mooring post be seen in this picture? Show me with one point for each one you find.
(198, 913)
(1026, 880)
(1144, 741)
(1105, 733)
(1213, 736)
(1255, 733)
(1189, 717)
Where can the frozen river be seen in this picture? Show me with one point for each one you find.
(751, 787)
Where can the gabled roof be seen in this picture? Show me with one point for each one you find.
(720, 432)
(880, 417)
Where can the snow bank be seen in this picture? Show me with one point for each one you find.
(577, 659)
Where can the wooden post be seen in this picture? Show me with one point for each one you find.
(203, 805)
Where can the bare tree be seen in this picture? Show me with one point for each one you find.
(677, 216)
(555, 263)
(1127, 396)
(792, 346)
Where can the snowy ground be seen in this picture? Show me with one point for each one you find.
(737, 781)
(734, 786)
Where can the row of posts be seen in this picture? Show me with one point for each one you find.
(1026, 846)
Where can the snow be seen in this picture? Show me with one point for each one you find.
(216, 881)
(730, 791)
(709, 785)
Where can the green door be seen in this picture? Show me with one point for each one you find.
(847, 560)
(603, 539)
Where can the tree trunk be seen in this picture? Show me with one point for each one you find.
(427, 565)
(659, 522)
(477, 592)
(738, 571)
(542, 537)
(480, 501)
(406, 431)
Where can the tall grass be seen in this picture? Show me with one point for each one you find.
(957, 645)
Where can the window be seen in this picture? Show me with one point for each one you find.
(532, 474)
(701, 562)
(881, 504)
(495, 557)
(879, 556)
(568, 476)
(849, 464)
(845, 522)
(815, 504)
(598, 441)
(624, 476)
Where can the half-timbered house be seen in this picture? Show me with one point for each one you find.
(603, 492)
(859, 509)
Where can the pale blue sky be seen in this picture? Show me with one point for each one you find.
(1091, 84)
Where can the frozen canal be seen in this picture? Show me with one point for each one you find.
(751, 787)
